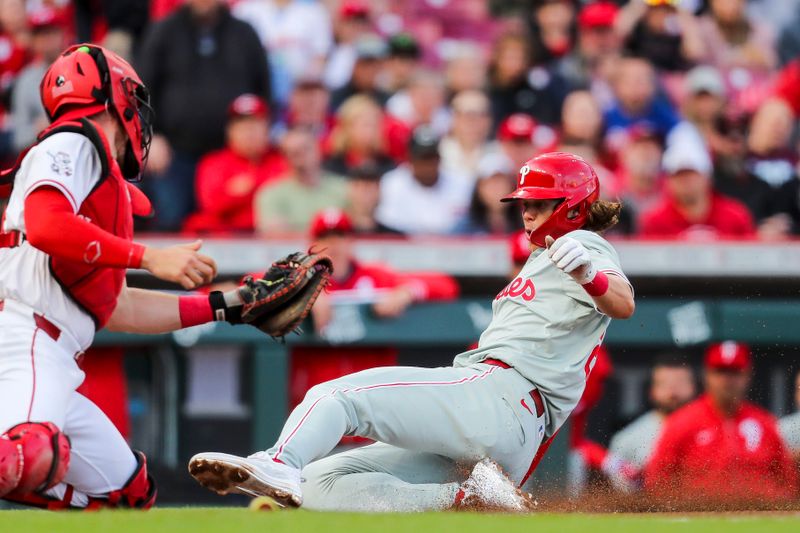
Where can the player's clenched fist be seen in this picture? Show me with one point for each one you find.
(180, 264)
(572, 257)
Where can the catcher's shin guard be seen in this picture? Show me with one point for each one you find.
(41, 452)
(138, 493)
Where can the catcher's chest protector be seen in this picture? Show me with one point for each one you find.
(95, 289)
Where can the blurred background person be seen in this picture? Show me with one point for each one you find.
(287, 206)
(552, 29)
(403, 61)
(194, 62)
(720, 447)
(47, 42)
(468, 140)
(639, 176)
(690, 207)
(662, 32)
(297, 36)
(487, 215)
(227, 179)
(363, 197)
(734, 40)
(419, 197)
(514, 88)
(371, 53)
(465, 68)
(308, 108)
(358, 137)
(672, 385)
(789, 425)
(352, 21)
(422, 102)
(518, 138)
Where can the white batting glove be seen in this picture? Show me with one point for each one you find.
(572, 257)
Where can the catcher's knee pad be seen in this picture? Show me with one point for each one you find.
(139, 492)
(43, 454)
(10, 465)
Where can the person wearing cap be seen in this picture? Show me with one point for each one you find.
(297, 36)
(228, 178)
(690, 207)
(789, 425)
(516, 138)
(596, 42)
(419, 197)
(404, 59)
(487, 215)
(47, 41)
(350, 24)
(371, 53)
(287, 206)
(468, 140)
(720, 447)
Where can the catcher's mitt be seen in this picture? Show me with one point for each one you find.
(278, 303)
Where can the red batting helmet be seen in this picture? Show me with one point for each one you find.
(87, 79)
(558, 176)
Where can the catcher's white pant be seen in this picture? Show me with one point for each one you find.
(432, 425)
(38, 378)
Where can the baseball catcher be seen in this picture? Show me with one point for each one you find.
(66, 240)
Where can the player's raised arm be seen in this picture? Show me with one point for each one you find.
(611, 293)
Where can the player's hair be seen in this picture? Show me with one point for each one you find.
(671, 360)
(602, 215)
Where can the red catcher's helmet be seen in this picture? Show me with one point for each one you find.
(558, 176)
(87, 79)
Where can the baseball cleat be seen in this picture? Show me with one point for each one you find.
(488, 489)
(257, 475)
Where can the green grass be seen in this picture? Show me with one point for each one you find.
(196, 520)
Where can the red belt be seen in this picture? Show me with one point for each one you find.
(11, 239)
(42, 323)
(536, 396)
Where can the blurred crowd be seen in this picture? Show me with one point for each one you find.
(415, 116)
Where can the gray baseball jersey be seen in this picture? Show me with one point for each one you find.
(789, 427)
(546, 326)
(634, 443)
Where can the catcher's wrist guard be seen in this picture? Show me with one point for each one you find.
(226, 306)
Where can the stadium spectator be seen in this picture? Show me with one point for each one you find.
(636, 101)
(351, 23)
(403, 61)
(734, 40)
(517, 139)
(720, 447)
(288, 205)
(422, 102)
(371, 54)
(296, 35)
(309, 108)
(597, 43)
(552, 30)
(358, 137)
(662, 32)
(789, 425)
(228, 178)
(419, 197)
(468, 141)
(639, 175)
(515, 88)
(47, 42)
(363, 196)
(487, 215)
(691, 208)
(672, 386)
(465, 69)
(195, 62)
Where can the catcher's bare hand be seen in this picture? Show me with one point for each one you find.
(180, 264)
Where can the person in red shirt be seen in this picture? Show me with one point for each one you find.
(691, 208)
(227, 179)
(720, 447)
(389, 293)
